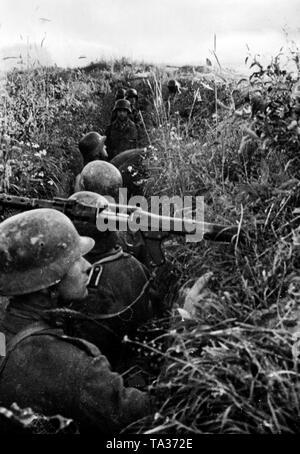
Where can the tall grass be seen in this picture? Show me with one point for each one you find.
(234, 367)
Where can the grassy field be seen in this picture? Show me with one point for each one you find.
(233, 367)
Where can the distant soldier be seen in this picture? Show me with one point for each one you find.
(41, 269)
(136, 116)
(119, 290)
(132, 97)
(101, 177)
(174, 89)
(120, 94)
(122, 134)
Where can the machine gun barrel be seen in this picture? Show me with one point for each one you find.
(124, 217)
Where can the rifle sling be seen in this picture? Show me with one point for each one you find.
(35, 328)
(120, 253)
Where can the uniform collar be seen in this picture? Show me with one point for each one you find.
(24, 310)
(116, 250)
(122, 124)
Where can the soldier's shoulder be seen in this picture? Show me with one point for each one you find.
(136, 264)
(83, 345)
(127, 261)
(58, 340)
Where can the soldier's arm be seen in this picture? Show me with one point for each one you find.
(104, 400)
(60, 374)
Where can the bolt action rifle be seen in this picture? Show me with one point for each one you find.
(152, 228)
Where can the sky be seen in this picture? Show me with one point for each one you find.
(173, 32)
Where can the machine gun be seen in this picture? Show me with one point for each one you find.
(152, 228)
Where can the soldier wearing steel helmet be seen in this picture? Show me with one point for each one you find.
(132, 97)
(136, 116)
(42, 268)
(174, 87)
(92, 147)
(119, 290)
(105, 179)
(174, 90)
(122, 133)
(120, 94)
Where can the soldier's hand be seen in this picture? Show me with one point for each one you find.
(194, 296)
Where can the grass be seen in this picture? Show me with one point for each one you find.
(234, 367)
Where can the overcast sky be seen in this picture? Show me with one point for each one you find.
(165, 31)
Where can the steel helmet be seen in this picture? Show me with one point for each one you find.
(89, 198)
(107, 237)
(173, 86)
(131, 93)
(37, 248)
(93, 143)
(120, 94)
(122, 104)
(101, 177)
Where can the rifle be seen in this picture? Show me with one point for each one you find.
(120, 217)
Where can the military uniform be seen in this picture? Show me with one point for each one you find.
(130, 164)
(53, 373)
(135, 115)
(118, 302)
(121, 136)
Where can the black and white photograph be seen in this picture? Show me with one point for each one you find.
(149, 220)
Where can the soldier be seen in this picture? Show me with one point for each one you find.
(136, 117)
(41, 268)
(101, 177)
(92, 147)
(120, 94)
(174, 89)
(105, 179)
(122, 133)
(132, 97)
(119, 290)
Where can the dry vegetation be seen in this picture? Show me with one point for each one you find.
(234, 367)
